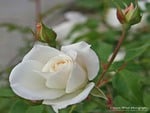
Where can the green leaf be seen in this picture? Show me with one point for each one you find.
(6, 92)
(103, 49)
(92, 23)
(115, 66)
(98, 93)
(135, 52)
(146, 81)
(48, 109)
(5, 104)
(146, 99)
(120, 101)
(19, 107)
(127, 84)
(35, 109)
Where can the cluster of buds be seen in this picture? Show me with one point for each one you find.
(130, 15)
(45, 34)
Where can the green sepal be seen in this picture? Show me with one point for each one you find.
(47, 35)
(98, 93)
(134, 16)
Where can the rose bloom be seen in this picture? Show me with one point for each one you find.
(59, 78)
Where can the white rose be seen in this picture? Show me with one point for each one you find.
(59, 78)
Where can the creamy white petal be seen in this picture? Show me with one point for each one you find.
(41, 53)
(70, 99)
(72, 54)
(27, 83)
(57, 79)
(77, 79)
(86, 57)
(111, 18)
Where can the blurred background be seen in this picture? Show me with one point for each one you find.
(93, 21)
(21, 13)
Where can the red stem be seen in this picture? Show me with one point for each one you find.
(38, 15)
(113, 57)
(38, 10)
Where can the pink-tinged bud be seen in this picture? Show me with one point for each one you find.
(45, 34)
(131, 7)
(121, 16)
(38, 29)
(130, 15)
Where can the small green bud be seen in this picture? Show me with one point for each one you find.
(135, 16)
(46, 35)
(130, 15)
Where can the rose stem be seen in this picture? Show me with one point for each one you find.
(113, 56)
(38, 15)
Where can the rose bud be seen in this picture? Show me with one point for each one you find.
(46, 35)
(130, 15)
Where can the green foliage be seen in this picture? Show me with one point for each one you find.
(127, 84)
(146, 99)
(135, 52)
(6, 92)
(19, 107)
(35, 109)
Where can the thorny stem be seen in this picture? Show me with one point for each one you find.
(113, 56)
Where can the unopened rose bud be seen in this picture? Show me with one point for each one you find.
(45, 34)
(130, 15)
(121, 16)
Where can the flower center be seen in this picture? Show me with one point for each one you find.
(57, 63)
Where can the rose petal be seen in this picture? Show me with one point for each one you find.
(77, 79)
(28, 84)
(111, 18)
(41, 53)
(72, 54)
(70, 99)
(57, 79)
(85, 57)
